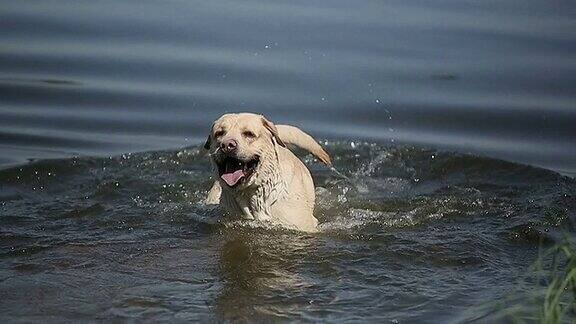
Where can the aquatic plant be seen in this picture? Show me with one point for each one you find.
(546, 294)
(552, 297)
(560, 297)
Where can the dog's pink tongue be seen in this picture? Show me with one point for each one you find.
(233, 178)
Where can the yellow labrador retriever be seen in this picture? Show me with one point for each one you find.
(258, 176)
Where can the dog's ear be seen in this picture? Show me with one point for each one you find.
(272, 128)
(208, 142)
(295, 136)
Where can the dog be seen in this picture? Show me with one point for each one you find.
(258, 176)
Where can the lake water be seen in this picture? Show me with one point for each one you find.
(453, 120)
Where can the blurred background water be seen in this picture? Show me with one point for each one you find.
(86, 77)
(391, 87)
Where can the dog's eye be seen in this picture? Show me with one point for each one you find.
(219, 133)
(249, 134)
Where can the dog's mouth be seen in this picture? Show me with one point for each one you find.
(234, 171)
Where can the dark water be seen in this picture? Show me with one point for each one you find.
(416, 235)
(402, 91)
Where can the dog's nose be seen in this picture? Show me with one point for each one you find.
(229, 145)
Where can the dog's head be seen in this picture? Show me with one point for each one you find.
(242, 146)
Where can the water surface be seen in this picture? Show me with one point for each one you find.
(413, 235)
(108, 77)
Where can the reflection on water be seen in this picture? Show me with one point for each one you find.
(262, 276)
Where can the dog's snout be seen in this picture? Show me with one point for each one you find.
(229, 145)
